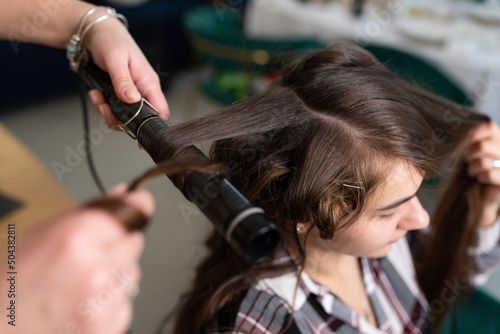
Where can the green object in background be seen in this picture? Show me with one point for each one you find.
(218, 39)
(473, 312)
(228, 86)
(237, 82)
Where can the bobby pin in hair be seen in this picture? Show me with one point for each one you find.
(351, 186)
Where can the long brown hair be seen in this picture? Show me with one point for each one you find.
(337, 116)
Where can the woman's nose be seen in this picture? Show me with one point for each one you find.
(415, 218)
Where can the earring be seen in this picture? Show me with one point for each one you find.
(300, 228)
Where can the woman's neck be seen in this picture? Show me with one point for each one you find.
(342, 274)
(332, 269)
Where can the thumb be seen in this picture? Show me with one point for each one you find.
(122, 82)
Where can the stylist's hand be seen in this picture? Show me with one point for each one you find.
(115, 51)
(483, 149)
(78, 272)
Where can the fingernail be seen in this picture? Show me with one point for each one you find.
(118, 189)
(93, 97)
(132, 94)
(100, 110)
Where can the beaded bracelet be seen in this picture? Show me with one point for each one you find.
(77, 55)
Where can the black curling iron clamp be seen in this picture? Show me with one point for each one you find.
(244, 226)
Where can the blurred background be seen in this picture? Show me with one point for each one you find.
(210, 53)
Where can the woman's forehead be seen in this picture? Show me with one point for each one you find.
(402, 181)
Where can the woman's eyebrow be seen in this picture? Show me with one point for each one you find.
(397, 203)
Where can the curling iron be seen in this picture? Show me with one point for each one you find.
(244, 226)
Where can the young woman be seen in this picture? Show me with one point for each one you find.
(335, 154)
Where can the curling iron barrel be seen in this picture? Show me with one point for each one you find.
(243, 225)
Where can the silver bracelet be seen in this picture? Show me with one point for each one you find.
(77, 55)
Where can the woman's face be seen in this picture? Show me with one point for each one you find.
(393, 210)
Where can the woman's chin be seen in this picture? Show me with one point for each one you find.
(381, 252)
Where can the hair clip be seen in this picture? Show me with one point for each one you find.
(351, 186)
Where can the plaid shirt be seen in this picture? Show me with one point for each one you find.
(396, 299)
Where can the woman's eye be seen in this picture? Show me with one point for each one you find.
(387, 216)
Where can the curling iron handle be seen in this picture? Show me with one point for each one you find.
(131, 114)
(96, 78)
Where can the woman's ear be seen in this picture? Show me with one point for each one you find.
(301, 228)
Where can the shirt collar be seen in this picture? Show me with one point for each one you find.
(285, 287)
